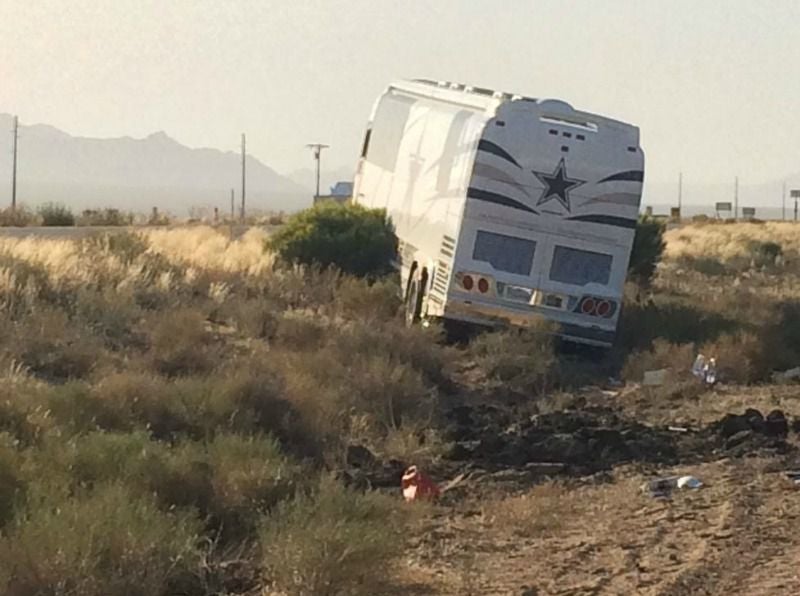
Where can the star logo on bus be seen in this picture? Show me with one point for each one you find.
(557, 185)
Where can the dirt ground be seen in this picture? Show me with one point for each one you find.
(527, 529)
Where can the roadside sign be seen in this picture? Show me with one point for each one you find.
(724, 207)
(675, 212)
(748, 212)
(795, 194)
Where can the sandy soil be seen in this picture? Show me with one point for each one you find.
(503, 532)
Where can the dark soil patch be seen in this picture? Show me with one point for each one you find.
(595, 439)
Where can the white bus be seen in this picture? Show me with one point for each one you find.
(507, 208)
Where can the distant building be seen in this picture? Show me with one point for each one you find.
(341, 192)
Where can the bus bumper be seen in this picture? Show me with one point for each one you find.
(499, 316)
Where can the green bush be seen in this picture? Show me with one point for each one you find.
(56, 214)
(333, 541)
(351, 237)
(648, 246)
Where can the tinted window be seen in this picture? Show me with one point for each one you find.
(365, 148)
(580, 267)
(504, 253)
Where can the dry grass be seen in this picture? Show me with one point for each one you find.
(728, 242)
(183, 373)
(546, 509)
(210, 248)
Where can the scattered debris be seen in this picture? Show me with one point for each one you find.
(689, 482)
(663, 487)
(794, 477)
(660, 487)
(655, 378)
(787, 376)
(418, 486)
(678, 429)
(705, 369)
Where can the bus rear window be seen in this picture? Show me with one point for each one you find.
(504, 253)
(580, 267)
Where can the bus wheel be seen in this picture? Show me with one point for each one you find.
(413, 303)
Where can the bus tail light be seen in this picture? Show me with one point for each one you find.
(476, 283)
(596, 307)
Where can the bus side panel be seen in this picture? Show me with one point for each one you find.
(417, 167)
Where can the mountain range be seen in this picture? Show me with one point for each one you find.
(137, 174)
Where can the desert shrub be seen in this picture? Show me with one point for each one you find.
(24, 413)
(249, 476)
(76, 410)
(126, 246)
(110, 315)
(358, 299)
(330, 390)
(670, 318)
(523, 359)
(103, 457)
(420, 348)
(145, 400)
(765, 253)
(352, 238)
(705, 265)
(648, 246)
(53, 348)
(253, 318)
(12, 486)
(105, 217)
(107, 543)
(180, 344)
(332, 541)
(782, 335)
(229, 480)
(300, 331)
(17, 218)
(678, 358)
(56, 214)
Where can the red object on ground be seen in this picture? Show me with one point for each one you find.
(417, 485)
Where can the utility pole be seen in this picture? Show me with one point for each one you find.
(680, 190)
(244, 154)
(15, 134)
(233, 206)
(736, 199)
(783, 202)
(317, 149)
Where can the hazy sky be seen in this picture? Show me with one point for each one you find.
(713, 84)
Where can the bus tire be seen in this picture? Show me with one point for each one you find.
(413, 305)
